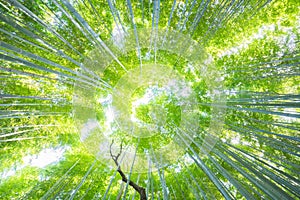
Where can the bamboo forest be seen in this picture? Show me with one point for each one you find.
(149, 99)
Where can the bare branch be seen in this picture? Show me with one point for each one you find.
(121, 148)
(112, 142)
(136, 187)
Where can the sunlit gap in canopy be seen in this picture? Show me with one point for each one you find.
(49, 156)
(89, 104)
(287, 40)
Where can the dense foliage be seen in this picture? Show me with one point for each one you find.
(228, 129)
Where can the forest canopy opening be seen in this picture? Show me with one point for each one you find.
(149, 99)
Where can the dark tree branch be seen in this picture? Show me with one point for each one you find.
(135, 186)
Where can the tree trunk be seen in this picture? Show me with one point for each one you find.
(143, 194)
